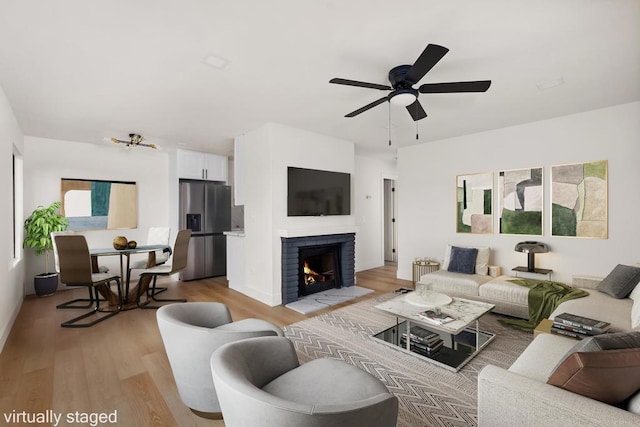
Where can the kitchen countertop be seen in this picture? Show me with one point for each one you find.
(237, 232)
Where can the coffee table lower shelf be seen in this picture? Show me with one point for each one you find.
(456, 352)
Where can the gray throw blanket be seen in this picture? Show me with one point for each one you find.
(544, 296)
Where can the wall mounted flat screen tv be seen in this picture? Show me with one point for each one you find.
(314, 192)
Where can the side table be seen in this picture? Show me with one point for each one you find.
(544, 327)
(423, 267)
(525, 273)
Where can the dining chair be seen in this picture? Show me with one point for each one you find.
(74, 303)
(155, 236)
(178, 263)
(76, 270)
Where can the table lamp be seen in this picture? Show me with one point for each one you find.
(531, 248)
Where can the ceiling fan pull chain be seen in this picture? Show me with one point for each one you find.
(417, 137)
(389, 124)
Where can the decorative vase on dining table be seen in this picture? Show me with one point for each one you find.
(120, 242)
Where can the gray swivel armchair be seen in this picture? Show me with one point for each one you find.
(191, 332)
(260, 383)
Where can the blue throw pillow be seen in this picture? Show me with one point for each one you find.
(463, 260)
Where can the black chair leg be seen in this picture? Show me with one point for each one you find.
(151, 296)
(74, 302)
(74, 323)
(158, 290)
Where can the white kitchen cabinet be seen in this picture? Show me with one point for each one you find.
(205, 166)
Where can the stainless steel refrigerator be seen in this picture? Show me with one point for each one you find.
(205, 209)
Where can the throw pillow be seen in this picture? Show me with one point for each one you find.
(482, 259)
(616, 341)
(610, 376)
(621, 281)
(463, 260)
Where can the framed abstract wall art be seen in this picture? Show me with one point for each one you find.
(579, 200)
(474, 201)
(521, 201)
(92, 204)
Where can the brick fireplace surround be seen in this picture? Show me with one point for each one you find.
(290, 261)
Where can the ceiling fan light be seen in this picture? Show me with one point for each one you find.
(403, 97)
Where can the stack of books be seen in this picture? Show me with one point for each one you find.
(579, 327)
(422, 341)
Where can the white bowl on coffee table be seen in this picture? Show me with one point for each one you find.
(428, 299)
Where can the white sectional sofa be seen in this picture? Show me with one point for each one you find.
(521, 396)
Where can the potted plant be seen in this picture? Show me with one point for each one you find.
(38, 227)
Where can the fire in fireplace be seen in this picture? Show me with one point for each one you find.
(319, 267)
(293, 249)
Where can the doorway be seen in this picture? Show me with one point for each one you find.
(390, 223)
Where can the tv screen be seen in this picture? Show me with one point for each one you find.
(316, 193)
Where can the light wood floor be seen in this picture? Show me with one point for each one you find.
(120, 364)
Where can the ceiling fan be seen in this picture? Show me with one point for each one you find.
(135, 141)
(402, 79)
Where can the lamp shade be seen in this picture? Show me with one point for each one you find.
(531, 248)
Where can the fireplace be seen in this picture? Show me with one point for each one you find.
(330, 263)
(319, 268)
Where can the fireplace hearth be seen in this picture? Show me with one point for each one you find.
(313, 264)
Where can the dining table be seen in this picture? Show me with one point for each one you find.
(128, 296)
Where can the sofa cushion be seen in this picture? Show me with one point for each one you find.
(305, 385)
(598, 305)
(621, 281)
(500, 289)
(453, 284)
(540, 358)
(463, 260)
(482, 259)
(635, 308)
(610, 376)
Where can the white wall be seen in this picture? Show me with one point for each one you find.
(369, 209)
(46, 161)
(11, 270)
(426, 195)
(268, 151)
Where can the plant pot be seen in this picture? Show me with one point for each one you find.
(45, 284)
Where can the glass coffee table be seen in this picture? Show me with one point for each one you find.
(450, 345)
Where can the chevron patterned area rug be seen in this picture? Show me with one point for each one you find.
(428, 395)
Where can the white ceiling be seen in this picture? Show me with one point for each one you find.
(84, 70)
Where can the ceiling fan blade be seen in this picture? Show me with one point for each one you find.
(425, 62)
(367, 107)
(477, 86)
(416, 111)
(359, 84)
